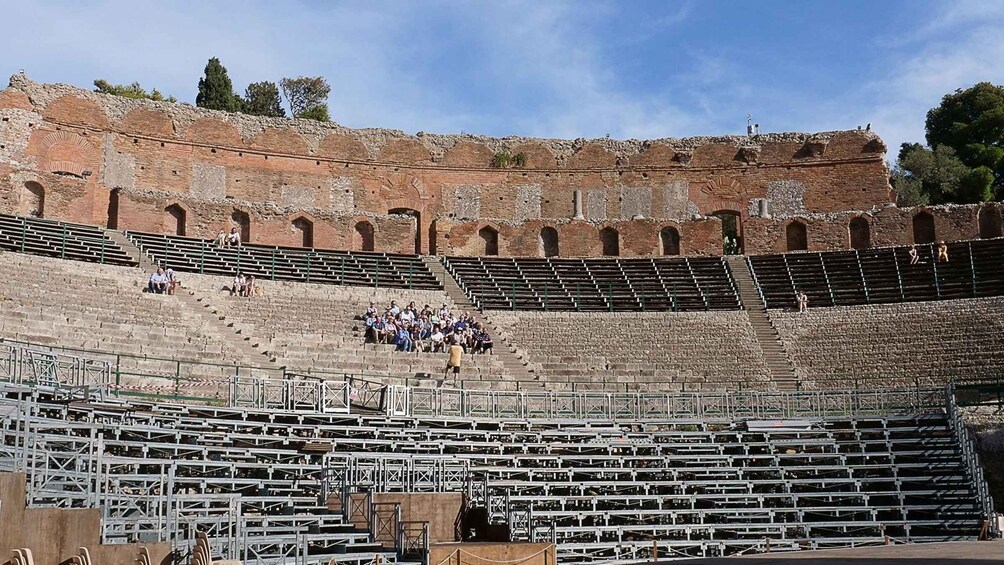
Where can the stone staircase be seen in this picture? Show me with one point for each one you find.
(504, 349)
(781, 369)
(226, 330)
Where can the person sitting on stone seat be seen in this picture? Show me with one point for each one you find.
(250, 287)
(942, 252)
(914, 256)
(238, 287)
(234, 238)
(374, 324)
(802, 299)
(158, 282)
(437, 341)
(484, 341)
(221, 238)
(403, 341)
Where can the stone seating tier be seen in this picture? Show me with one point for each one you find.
(60, 239)
(895, 343)
(639, 351)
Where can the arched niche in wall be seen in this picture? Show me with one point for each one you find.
(990, 222)
(305, 228)
(669, 239)
(548, 242)
(795, 236)
(243, 221)
(175, 219)
(610, 240)
(113, 208)
(363, 236)
(860, 233)
(32, 200)
(923, 228)
(490, 237)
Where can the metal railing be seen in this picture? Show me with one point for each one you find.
(971, 459)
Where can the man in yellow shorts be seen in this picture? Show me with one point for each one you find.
(456, 353)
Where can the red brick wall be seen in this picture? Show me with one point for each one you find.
(277, 170)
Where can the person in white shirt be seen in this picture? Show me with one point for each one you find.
(221, 238)
(158, 282)
(239, 284)
(173, 282)
(234, 238)
(394, 308)
(437, 340)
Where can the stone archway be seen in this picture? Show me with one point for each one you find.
(32, 200)
(305, 228)
(923, 228)
(490, 237)
(732, 231)
(548, 242)
(418, 224)
(795, 236)
(860, 233)
(243, 221)
(990, 222)
(363, 236)
(610, 239)
(175, 219)
(669, 238)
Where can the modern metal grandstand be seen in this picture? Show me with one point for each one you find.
(286, 470)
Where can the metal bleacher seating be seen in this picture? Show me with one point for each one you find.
(603, 487)
(882, 275)
(297, 264)
(611, 285)
(64, 240)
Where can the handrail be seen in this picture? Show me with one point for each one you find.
(971, 459)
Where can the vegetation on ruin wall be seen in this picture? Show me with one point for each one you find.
(133, 90)
(307, 96)
(963, 161)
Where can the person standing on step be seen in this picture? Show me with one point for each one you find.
(455, 356)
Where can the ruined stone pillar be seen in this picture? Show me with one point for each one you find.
(577, 200)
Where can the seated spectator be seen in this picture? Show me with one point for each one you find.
(942, 252)
(173, 282)
(484, 342)
(374, 325)
(394, 309)
(403, 341)
(234, 238)
(914, 256)
(418, 344)
(389, 333)
(221, 238)
(371, 310)
(238, 287)
(802, 299)
(437, 341)
(158, 282)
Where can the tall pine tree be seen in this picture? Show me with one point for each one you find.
(216, 92)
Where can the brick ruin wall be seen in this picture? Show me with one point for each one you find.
(136, 164)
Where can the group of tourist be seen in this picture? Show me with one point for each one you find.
(429, 330)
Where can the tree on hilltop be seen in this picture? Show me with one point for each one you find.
(216, 91)
(133, 90)
(963, 162)
(307, 97)
(262, 99)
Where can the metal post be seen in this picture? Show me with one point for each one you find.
(512, 295)
(411, 269)
(545, 296)
(62, 249)
(578, 296)
(376, 280)
(610, 296)
(238, 259)
(341, 272)
(103, 240)
(308, 266)
(177, 377)
(972, 267)
(24, 233)
(272, 275)
(202, 258)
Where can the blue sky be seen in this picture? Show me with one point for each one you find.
(630, 69)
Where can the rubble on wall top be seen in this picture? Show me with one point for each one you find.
(184, 114)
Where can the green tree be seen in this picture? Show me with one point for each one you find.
(133, 90)
(216, 91)
(938, 176)
(307, 97)
(971, 121)
(262, 99)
